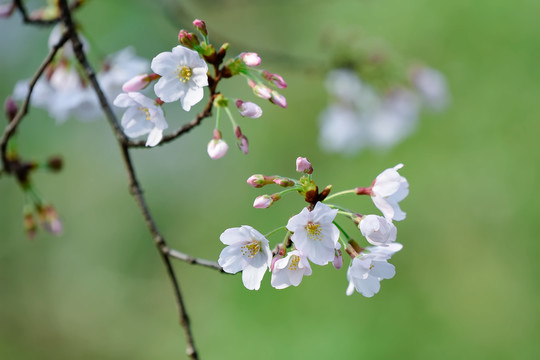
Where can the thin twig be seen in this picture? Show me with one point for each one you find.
(42, 22)
(194, 261)
(12, 127)
(135, 188)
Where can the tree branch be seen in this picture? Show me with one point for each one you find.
(135, 188)
(42, 22)
(194, 261)
(12, 126)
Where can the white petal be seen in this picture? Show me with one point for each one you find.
(154, 137)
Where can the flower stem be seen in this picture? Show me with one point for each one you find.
(275, 231)
(228, 111)
(342, 231)
(351, 191)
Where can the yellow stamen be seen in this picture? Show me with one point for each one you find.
(251, 249)
(145, 111)
(183, 73)
(314, 231)
(294, 262)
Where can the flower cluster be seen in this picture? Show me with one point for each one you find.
(64, 93)
(181, 75)
(313, 236)
(363, 114)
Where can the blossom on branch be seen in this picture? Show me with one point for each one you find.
(290, 270)
(247, 251)
(388, 190)
(143, 116)
(378, 230)
(314, 233)
(183, 76)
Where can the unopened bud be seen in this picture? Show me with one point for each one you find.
(303, 165)
(10, 106)
(338, 259)
(258, 180)
(260, 90)
(276, 79)
(136, 83)
(250, 58)
(48, 217)
(284, 182)
(263, 202)
(55, 163)
(189, 40)
(217, 148)
(201, 26)
(249, 109)
(29, 224)
(278, 99)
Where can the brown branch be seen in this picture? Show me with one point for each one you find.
(12, 126)
(135, 188)
(42, 22)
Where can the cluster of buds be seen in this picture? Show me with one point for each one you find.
(182, 74)
(313, 236)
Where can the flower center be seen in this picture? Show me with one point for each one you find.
(145, 111)
(370, 266)
(183, 73)
(293, 265)
(314, 231)
(251, 249)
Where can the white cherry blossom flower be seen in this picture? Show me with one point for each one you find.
(378, 230)
(367, 270)
(142, 117)
(388, 190)
(247, 251)
(183, 76)
(290, 270)
(314, 233)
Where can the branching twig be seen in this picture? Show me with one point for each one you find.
(12, 127)
(193, 260)
(42, 22)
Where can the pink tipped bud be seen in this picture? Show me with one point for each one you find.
(249, 109)
(276, 79)
(11, 108)
(258, 180)
(189, 40)
(7, 9)
(136, 83)
(284, 182)
(250, 58)
(48, 217)
(263, 202)
(201, 26)
(338, 260)
(278, 99)
(261, 90)
(303, 165)
(217, 148)
(242, 143)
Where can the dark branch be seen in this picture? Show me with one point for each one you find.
(194, 261)
(12, 127)
(42, 22)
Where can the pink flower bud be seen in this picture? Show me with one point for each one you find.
(249, 109)
(250, 59)
(189, 40)
(278, 99)
(48, 217)
(338, 260)
(217, 148)
(136, 83)
(284, 182)
(303, 165)
(260, 90)
(276, 79)
(201, 26)
(11, 108)
(263, 202)
(258, 180)
(243, 144)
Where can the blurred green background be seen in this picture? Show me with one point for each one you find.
(466, 284)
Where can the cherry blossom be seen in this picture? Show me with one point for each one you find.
(142, 116)
(290, 270)
(247, 251)
(314, 233)
(378, 230)
(183, 76)
(388, 190)
(367, 270)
